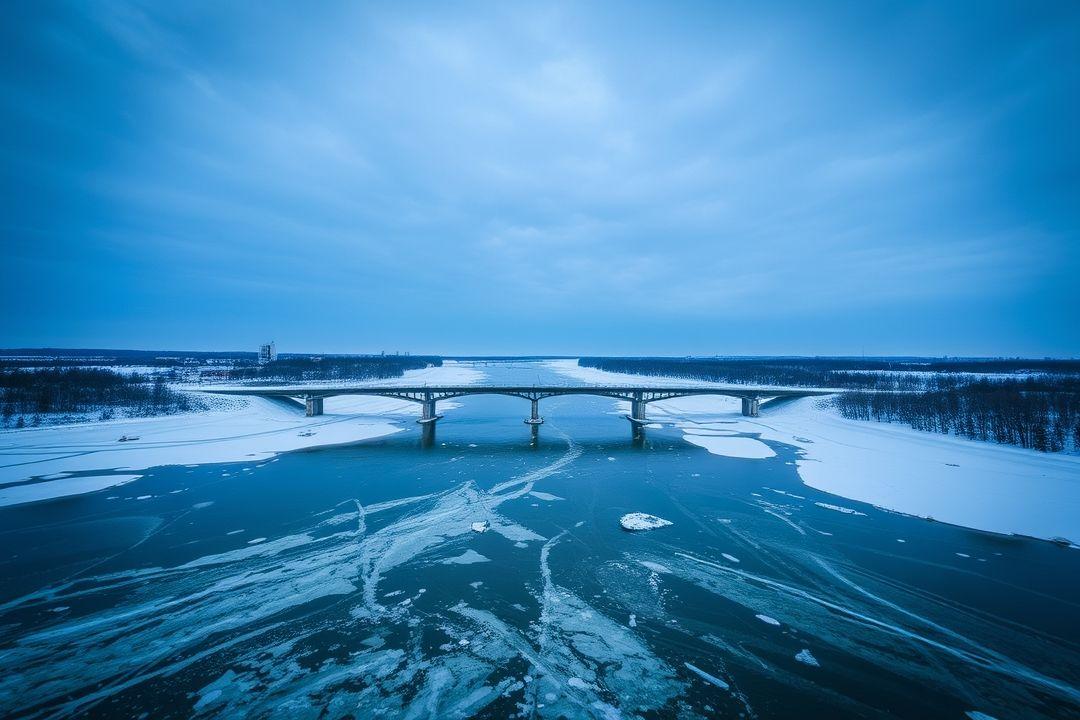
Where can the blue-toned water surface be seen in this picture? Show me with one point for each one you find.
(350, 582)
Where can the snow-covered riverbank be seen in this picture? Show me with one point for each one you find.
(245, 428)
(978, 485)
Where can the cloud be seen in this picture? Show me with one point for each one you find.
(668, 164)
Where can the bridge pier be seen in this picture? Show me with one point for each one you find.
(428, 418)
(751, 406)
(637, 416)
(534, 418)
(313, 406)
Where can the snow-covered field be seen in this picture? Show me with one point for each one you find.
(974, 484)
(240, 428)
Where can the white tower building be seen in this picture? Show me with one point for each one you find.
(267, 353)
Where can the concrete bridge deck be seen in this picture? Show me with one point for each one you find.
(428, 395)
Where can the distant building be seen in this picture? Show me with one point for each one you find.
(267, 353)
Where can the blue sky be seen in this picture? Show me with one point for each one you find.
(619, 178)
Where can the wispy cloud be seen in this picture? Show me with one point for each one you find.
(684, 170)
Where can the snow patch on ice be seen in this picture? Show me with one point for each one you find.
(35, 491)
(466, 558)
(545, 496)
(731, 446)
(839, 508)
(655, 567)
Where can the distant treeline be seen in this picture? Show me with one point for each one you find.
(46, 391)
(846, 373)
(294, 369)
(51, 357)
(806, 372)
(97, 356)
(1037, 412)
(164, 363)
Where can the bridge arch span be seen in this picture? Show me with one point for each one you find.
(428, 396)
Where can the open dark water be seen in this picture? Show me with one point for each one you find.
(347, 582)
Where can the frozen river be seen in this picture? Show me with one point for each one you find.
(354, 582)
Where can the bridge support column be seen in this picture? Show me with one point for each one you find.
(428, 418)
(751, 406)
(313, 406)
(534, 417)
(534, 422)
(637, 416)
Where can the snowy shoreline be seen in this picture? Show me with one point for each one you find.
(978, 485)
(35, 463)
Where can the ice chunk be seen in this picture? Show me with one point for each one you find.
(466, 558)
(839, 508)
(806, 658)
(767, 620)
(481, 526)
(642, 521)
(707, 677)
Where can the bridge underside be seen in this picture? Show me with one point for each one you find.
(751, 405)
(428, 397)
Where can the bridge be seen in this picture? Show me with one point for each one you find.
(427, 396)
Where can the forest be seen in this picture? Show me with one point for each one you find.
(331, 368)
(28, 394)
(1031, 412)
(50, 389)
(1030, 403)
(841, 373)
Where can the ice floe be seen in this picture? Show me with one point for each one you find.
(839, 508)
(642, 521)
(61, 487)
(466, 558)
(731, 446)
(707, 677)
(544, 496)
